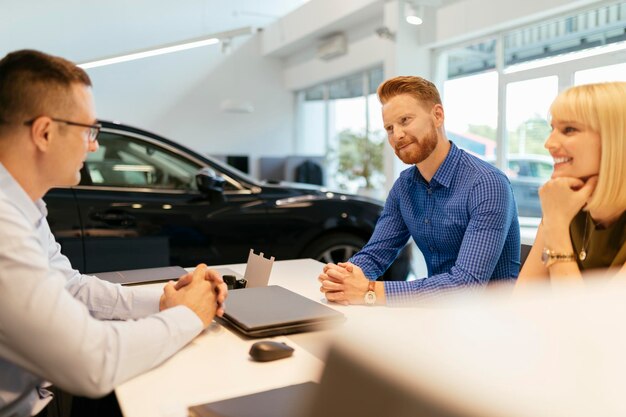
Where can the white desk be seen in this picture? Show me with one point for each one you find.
(541, 355)
(216, 364)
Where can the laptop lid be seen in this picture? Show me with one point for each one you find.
(274, 310)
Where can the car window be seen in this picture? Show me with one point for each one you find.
(123, 161)
(514, 169)
(542, 170)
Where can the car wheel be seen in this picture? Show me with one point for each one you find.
(338, 247)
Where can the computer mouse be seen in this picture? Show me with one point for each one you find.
(269, 350)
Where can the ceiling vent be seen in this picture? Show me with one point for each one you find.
(236, 106)
(332, 46)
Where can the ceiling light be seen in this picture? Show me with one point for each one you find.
(194, 43)
(414, 20)
(146, 54)
(413, 13)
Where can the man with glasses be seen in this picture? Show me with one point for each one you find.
(92, 134)
(55, 324)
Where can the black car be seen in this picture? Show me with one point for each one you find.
(145, 201)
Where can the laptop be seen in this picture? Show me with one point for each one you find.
(274, 310)
(289, 401)
(152, 275)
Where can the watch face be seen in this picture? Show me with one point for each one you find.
(370, 298)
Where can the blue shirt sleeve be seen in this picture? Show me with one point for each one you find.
(491, 206)
(389, 237)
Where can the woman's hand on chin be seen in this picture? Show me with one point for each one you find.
(563, 197)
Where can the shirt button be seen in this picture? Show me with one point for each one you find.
(426, 221)
(430, 248)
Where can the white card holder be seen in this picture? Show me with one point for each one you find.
(258, 270)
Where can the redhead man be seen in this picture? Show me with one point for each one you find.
(457, 208)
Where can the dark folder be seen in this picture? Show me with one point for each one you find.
(289, 401)
(143, 276)
(274, 310)
(151, 275)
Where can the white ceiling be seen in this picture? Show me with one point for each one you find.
(86, 30)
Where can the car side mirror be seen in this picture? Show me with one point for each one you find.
(210, 183)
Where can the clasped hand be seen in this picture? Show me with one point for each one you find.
(343, 283)
(563, 197)
(202, 290)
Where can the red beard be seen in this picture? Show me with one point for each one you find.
(419, 150)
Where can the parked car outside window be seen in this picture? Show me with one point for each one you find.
(527, 173)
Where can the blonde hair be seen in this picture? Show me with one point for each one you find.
(601, 107)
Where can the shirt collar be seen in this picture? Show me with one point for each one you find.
(446, 170)
(33, 211)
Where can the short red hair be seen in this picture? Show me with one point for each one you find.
(417, 87)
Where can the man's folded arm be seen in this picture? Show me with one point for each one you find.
(48, 332)
(389, 237)
(492, 208)
(104, 299)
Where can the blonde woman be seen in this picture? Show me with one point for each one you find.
(584, 203)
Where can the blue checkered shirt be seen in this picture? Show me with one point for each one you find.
(464, 221)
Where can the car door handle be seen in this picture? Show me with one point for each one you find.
(117, 218)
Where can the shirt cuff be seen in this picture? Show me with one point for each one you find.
(187, 322)
(398, 294)
(145, 301)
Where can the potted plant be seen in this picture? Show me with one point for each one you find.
(360, 161)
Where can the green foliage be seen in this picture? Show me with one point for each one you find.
(483, 130)
(530, 136)
(360, 156)
(527, 138)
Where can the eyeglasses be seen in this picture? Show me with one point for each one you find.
(94, 130)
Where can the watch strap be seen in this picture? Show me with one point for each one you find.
(550, 257)
(370, 295)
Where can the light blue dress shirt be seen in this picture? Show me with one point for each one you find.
(464, 221)
(83, 334)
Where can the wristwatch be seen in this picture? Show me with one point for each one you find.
(370, 295)
(549, 257)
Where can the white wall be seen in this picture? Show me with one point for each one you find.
(365, 50)
(312, 21)
(82, 30)
(179, 95)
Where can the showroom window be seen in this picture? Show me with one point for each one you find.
(497, 91)
(341, 120)
(471, 109)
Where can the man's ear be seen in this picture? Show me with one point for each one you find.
(438, 115)
(40, 133)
